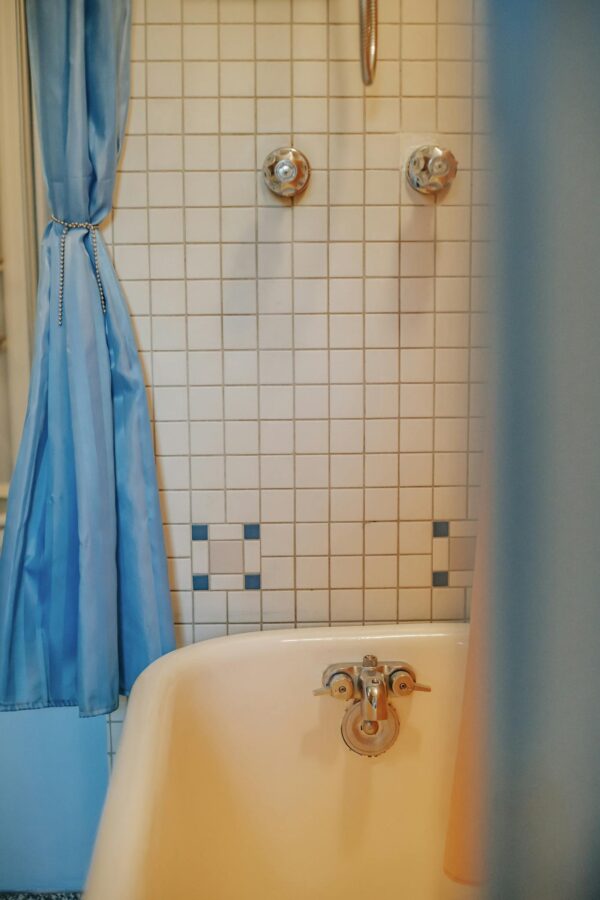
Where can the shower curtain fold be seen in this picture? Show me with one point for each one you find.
(84, 594)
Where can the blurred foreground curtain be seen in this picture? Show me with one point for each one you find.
(466, 853)
(84, 597)
(545, 612)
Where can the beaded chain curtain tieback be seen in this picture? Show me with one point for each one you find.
(89, 226)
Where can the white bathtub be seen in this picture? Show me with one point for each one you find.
(232, 781)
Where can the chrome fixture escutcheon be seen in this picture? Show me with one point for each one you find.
(431, 169)
(286, 171)
(370, 725)
(368, 738)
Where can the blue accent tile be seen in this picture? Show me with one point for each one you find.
(441, 529)
(200, 582)
(252, 532)
(440, 579)
(199, 532)
(252, 582)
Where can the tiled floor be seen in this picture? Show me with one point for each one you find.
(59, 896)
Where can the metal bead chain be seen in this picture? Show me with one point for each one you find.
(61, 274)
(97, 269)
(92, 229)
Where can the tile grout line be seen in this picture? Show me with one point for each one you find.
(293, 336)
(258, 318)
(399, 223)
(364, 353)
(434, 338)
(468, 510)
(224, 384)
(186, 330)
(328, 314)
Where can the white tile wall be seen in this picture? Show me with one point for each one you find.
(315, 366)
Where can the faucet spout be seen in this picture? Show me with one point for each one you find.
(374, 703)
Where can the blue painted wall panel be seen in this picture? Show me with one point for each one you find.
(53, 777)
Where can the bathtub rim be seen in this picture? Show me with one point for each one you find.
(312, 634)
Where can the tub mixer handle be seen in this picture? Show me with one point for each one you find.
(403, 683)
(340, 686)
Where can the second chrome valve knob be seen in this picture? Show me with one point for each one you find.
(286, 171)
(431, 169)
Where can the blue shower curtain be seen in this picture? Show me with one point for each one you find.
(84, 595)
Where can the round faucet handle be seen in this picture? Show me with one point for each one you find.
(402, 683)
(431, 169)
(340, 687)
(286, 171)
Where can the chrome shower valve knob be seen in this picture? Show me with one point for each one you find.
(431, 169)
(286, 172)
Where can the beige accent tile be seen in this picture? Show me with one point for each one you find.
(226, 557)
(462, 553)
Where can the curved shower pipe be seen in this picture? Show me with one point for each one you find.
(368, 39)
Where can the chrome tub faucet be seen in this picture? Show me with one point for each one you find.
(370, 725)
(373, 690)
